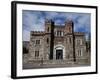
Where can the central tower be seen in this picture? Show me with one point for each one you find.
(49, 30)
(70, 40)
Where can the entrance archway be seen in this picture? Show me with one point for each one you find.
(59, 52)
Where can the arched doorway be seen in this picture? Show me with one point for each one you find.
(59, 52)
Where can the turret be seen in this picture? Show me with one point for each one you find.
(49, 26)
(49, 30)
(69, 25)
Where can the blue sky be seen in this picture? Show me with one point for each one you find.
(34, 21)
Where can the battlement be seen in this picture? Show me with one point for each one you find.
(79, 33)
(37, 32)
(69, 21)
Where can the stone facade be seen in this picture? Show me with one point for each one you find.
(58, 42)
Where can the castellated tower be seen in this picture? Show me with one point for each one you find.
(36, 45)
(69, 36)
(69, 25)
(49, 37)
(41, 42)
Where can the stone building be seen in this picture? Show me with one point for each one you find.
(57, 42)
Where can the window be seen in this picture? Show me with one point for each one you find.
(69, 29)
(37, 41)
(79, 53)
(79, 42)
(47, 40)
(48, 29)
(59, 33)
(55, 33)
(70, 40)
(36, 53)
(25, 50)
(62, 34)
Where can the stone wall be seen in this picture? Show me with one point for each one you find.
(69, 43)
(36, 47)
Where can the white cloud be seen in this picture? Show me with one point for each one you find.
(26, 35)
(34, 20)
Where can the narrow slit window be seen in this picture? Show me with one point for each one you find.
(47, 40)
(36, 53)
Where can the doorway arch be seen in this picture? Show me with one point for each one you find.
(59, 52)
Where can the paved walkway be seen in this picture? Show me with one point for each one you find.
(33, 65)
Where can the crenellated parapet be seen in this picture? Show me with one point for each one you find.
(33, 33)
(79, 33)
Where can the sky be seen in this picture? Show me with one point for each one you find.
(35, 20)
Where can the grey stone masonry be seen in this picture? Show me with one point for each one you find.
(58, 42)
